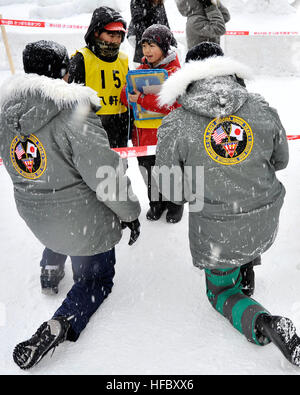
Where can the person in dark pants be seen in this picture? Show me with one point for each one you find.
(157, 204)
(56, 151)
(93, 282)
(239, 142)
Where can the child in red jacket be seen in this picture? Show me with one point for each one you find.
(156, 41)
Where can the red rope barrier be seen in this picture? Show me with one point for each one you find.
(293, 137)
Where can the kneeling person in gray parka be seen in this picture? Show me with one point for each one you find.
(56, 152)
(238, 141)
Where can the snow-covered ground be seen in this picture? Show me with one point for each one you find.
(157, 319)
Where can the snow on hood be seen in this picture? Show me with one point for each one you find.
(208, 87)
(30, 101)
(216, 97)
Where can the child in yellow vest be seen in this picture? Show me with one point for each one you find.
(103, 67)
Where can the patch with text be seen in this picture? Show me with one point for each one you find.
(228, 140)
(28, 157)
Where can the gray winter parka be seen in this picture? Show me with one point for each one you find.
(54, 147)
(239, 143)
(203, 23)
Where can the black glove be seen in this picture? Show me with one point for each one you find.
(134, 226)
(206, 3)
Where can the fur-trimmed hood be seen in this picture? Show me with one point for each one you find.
(29, 101)
(208, 87)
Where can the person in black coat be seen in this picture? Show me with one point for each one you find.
(145, 13)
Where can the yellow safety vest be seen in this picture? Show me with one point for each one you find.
(107, 79)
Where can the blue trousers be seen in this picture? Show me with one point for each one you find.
(93, 281)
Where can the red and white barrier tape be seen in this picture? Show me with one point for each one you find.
(41, 24)
(293, 137)
(57, 25)
(147, 150)
(133, 152)
(261, 33)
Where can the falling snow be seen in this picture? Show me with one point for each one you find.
(157, 319)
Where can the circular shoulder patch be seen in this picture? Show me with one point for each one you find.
(28, 157)
(228, 140)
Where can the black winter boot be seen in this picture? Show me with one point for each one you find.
(248, 279)
(156, 210)
(282, 332)
(174, 213)
(49, 335)
(50, 278)
(248, 276)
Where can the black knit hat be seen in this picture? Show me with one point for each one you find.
(161, 35)
(46, 58)
(204, 50)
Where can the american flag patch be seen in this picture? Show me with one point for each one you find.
(219, 135)
(19, 151)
